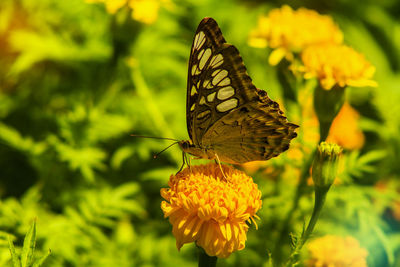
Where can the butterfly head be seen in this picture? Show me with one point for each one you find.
(188, 147)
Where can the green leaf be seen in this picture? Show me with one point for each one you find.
(29, 246)
(14, 256)
(39, 262)
(120, 156)
(357, 165)
(14, 139)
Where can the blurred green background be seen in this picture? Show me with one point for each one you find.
(77, 79)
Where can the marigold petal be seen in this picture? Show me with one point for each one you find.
(276, 56)
(336, 251)
(228, 232)
(294, 30)
(113, 6)
(197, 228)
(222, 228)
(167, 209)
(258, 42)
(338, 65)
(145, 11)
(210, 209)
(164, 193)
(362, 83)
(208, 233)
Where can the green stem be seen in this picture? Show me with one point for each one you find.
(205, 260)
(299, 193)
(324, 128)
(327, 104)
(320, 196)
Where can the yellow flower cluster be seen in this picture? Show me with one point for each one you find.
(337, 65)
(211, 209)
(335, 251)
(318, 41)
(145, 11)
(286, 31)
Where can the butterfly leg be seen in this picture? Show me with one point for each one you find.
(183, 162)
(220, 166)
(188, 163)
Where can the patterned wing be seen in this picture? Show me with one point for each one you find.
(228, 115)
(254, 131)
(207, 40)
(217, 81)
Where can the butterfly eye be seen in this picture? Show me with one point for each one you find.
(184, 144)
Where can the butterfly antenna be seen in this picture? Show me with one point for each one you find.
(154, 137)
(156, 155)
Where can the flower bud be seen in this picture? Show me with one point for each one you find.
(325, 165)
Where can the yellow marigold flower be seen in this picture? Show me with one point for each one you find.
(336, 251)
(337, 65)
(205, 207)
(286, 30)
(145, 11)
(112, 6)
(345, 130)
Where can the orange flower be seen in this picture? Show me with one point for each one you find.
(337, 65)
(345, 130)
(286, 30)
(206, 208)
(335, 251)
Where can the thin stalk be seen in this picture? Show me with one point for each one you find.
(299, 193)
(320, 196)
(205, 260)
(324, 128)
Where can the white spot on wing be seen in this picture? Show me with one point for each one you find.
(227, 105)
(192, 107)
(206, 84)
(224, 82)
(215, 72)
(199, 40)
(216, 61)
(195, 41)
(193, 91)
(201, 53)
(225, 92)
(210, 97)
(209, 85)
(203, 114)
(221, 75)
(205, 58)
(202, 101)
(194, 68)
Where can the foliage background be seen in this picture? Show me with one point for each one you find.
(76, 81)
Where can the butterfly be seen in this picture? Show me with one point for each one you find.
(228, 118)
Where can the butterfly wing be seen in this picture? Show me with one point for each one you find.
(253, 131)
(227, 114)
(207, 40)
